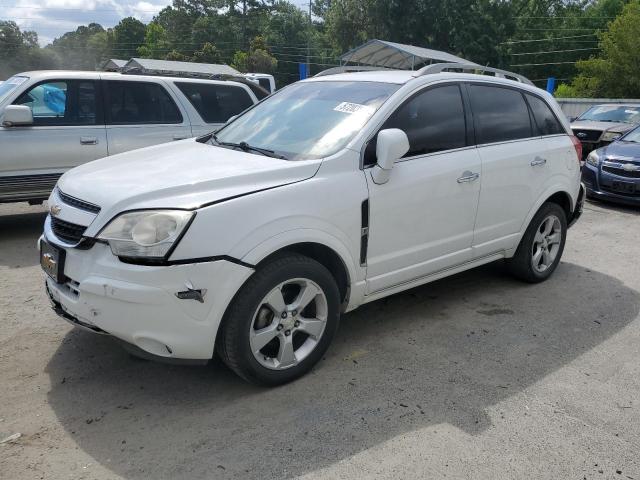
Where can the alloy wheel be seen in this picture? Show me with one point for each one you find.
(546, 243)
(288, 324)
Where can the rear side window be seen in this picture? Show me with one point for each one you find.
(433, 120)
(500, 114)
(139, 103)
(544, 117)
(265, 83)
(216, 103)
(62, 102)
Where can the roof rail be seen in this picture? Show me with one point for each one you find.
(471, 68)
(349, 69)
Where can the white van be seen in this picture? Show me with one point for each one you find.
(329, 194)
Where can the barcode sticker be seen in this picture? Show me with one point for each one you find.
(347, 107)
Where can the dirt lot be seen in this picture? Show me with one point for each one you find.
(475, 376)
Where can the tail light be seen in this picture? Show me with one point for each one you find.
(578, 146)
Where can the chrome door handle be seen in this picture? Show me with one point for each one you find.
(468, 177)
(538, 161)
(88, 140)
(180, 137)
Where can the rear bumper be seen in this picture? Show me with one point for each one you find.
(577, 211)
(138, 304)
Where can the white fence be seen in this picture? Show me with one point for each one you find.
(573, 107)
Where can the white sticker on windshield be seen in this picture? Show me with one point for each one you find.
(347, 107)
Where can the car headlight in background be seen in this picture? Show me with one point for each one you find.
(610, 136)
(593, 159)
(146, 234)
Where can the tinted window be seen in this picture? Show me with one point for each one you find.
(139, 103)
(500, 114)
(433, 121)
(216, 103)
(62, 103)
(265, 83)
(546, 121)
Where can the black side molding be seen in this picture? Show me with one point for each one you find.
(364, 232)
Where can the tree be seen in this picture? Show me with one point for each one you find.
(19, 51)
(208, 54)
(79, 50)
(128, 35)
(258, 59)
(155, 43)
(614, 72)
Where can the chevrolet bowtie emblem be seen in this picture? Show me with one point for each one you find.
(55, 210)
(630, 167)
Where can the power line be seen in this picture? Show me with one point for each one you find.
(540, 64)
(510, 42)
(555, 51)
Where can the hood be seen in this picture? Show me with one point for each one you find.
(603, 126)
(185, 174)
(621, 150)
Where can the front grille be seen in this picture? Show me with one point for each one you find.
(80, 204)
(587, 135)
(621, 172)
(67, 231)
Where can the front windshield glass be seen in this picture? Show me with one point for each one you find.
(10, 85)
(308, 120)
(632, 136)
(612, 113)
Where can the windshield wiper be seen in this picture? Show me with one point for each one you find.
(245, 147)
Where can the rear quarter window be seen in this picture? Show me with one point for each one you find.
(545, 119)
(216, 103)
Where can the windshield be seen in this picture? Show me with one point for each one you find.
(632, 136)
(308, 120)
(10, 85)
(612, 113)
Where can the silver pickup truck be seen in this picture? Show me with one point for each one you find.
(51, 121)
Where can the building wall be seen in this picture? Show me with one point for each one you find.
(573, 107)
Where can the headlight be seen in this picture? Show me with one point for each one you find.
(149, 233)
(610, 136)
(593, 159)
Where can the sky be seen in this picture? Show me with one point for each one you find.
(52, 18)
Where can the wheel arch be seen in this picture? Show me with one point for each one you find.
(322, 254)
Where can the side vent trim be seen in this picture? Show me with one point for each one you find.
(364, 232)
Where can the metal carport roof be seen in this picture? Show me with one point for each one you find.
(381, 53)
(151, 66)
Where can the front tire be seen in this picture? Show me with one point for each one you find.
(542, 245)
(281, 321)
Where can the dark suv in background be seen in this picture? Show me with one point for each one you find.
(602, 124)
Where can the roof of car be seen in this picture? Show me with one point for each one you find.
(83, 74)
(404, 76)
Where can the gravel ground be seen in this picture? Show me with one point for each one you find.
(475, 376)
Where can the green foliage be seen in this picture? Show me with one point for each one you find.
(208, 54)
(257, 59)
(155, 43)
(128, 35)
(615, 73)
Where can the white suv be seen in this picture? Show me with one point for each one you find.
(51, 121)
(333, 192)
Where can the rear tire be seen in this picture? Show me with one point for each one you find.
(281, 321)
(542, 245)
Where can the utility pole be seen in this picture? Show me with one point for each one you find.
(309, 41)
